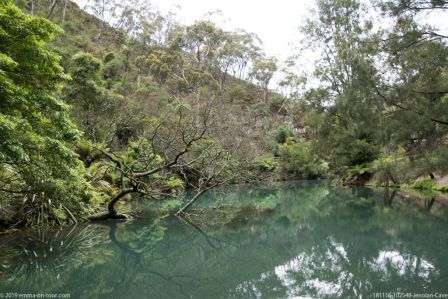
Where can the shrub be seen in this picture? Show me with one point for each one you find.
(267, 164)
(299, 161)
(239, 93)
(276, 103)
(259, 109)
(174, 183)
(424, 184)
(281, 134)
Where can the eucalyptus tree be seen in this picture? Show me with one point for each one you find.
(239, 50)
(246, 48)
(211, 51)
(262, 71)
(201, 41)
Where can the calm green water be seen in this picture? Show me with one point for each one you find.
(288, 240)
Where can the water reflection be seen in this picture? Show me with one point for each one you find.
(36, 256)
(282, 241)
(393, 263)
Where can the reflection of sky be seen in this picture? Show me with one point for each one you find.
(296, 265)
(393, 262)
(302, 274)
(306, 264)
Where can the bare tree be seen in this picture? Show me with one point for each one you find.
(179, 144)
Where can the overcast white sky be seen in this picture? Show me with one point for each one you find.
(275, 22)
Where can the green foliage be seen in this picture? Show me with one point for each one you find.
(424, 187)
(240, 93)
(391, 169)
(263, 71)
(355, 172)
(424, 184)
(398, 121)
(175, 183)
(281, 134)
(345, 148)
(109, 57)
(91, 101)
(112, 69)
(139, 155)
(34, 124)
(267, 164)
(298, 160)
(259, 109)
(276, 104)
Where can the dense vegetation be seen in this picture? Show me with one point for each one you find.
(129, 103)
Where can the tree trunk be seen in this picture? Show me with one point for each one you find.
(111, 211)
(52, 7)
(116, 198)
(64, 11)
(31, 4)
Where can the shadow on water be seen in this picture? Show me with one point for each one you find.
(278, 241)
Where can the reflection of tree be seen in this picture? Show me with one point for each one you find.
(378, 248)
(135, 251)
(389, 197)
(36, 257)
(318, 242)
(429, 203)
(214, 242)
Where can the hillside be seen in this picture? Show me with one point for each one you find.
(126, 68)
(159, 108)
(143, 106)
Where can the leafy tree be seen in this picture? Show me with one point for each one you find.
(164, 64)
(92, 102)
(416, 93)
(40, 175)
(239, 49)
(202, 41)
(259, 110)
(345, 99)
(379, 91)
(262, 71)
(297, 160)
